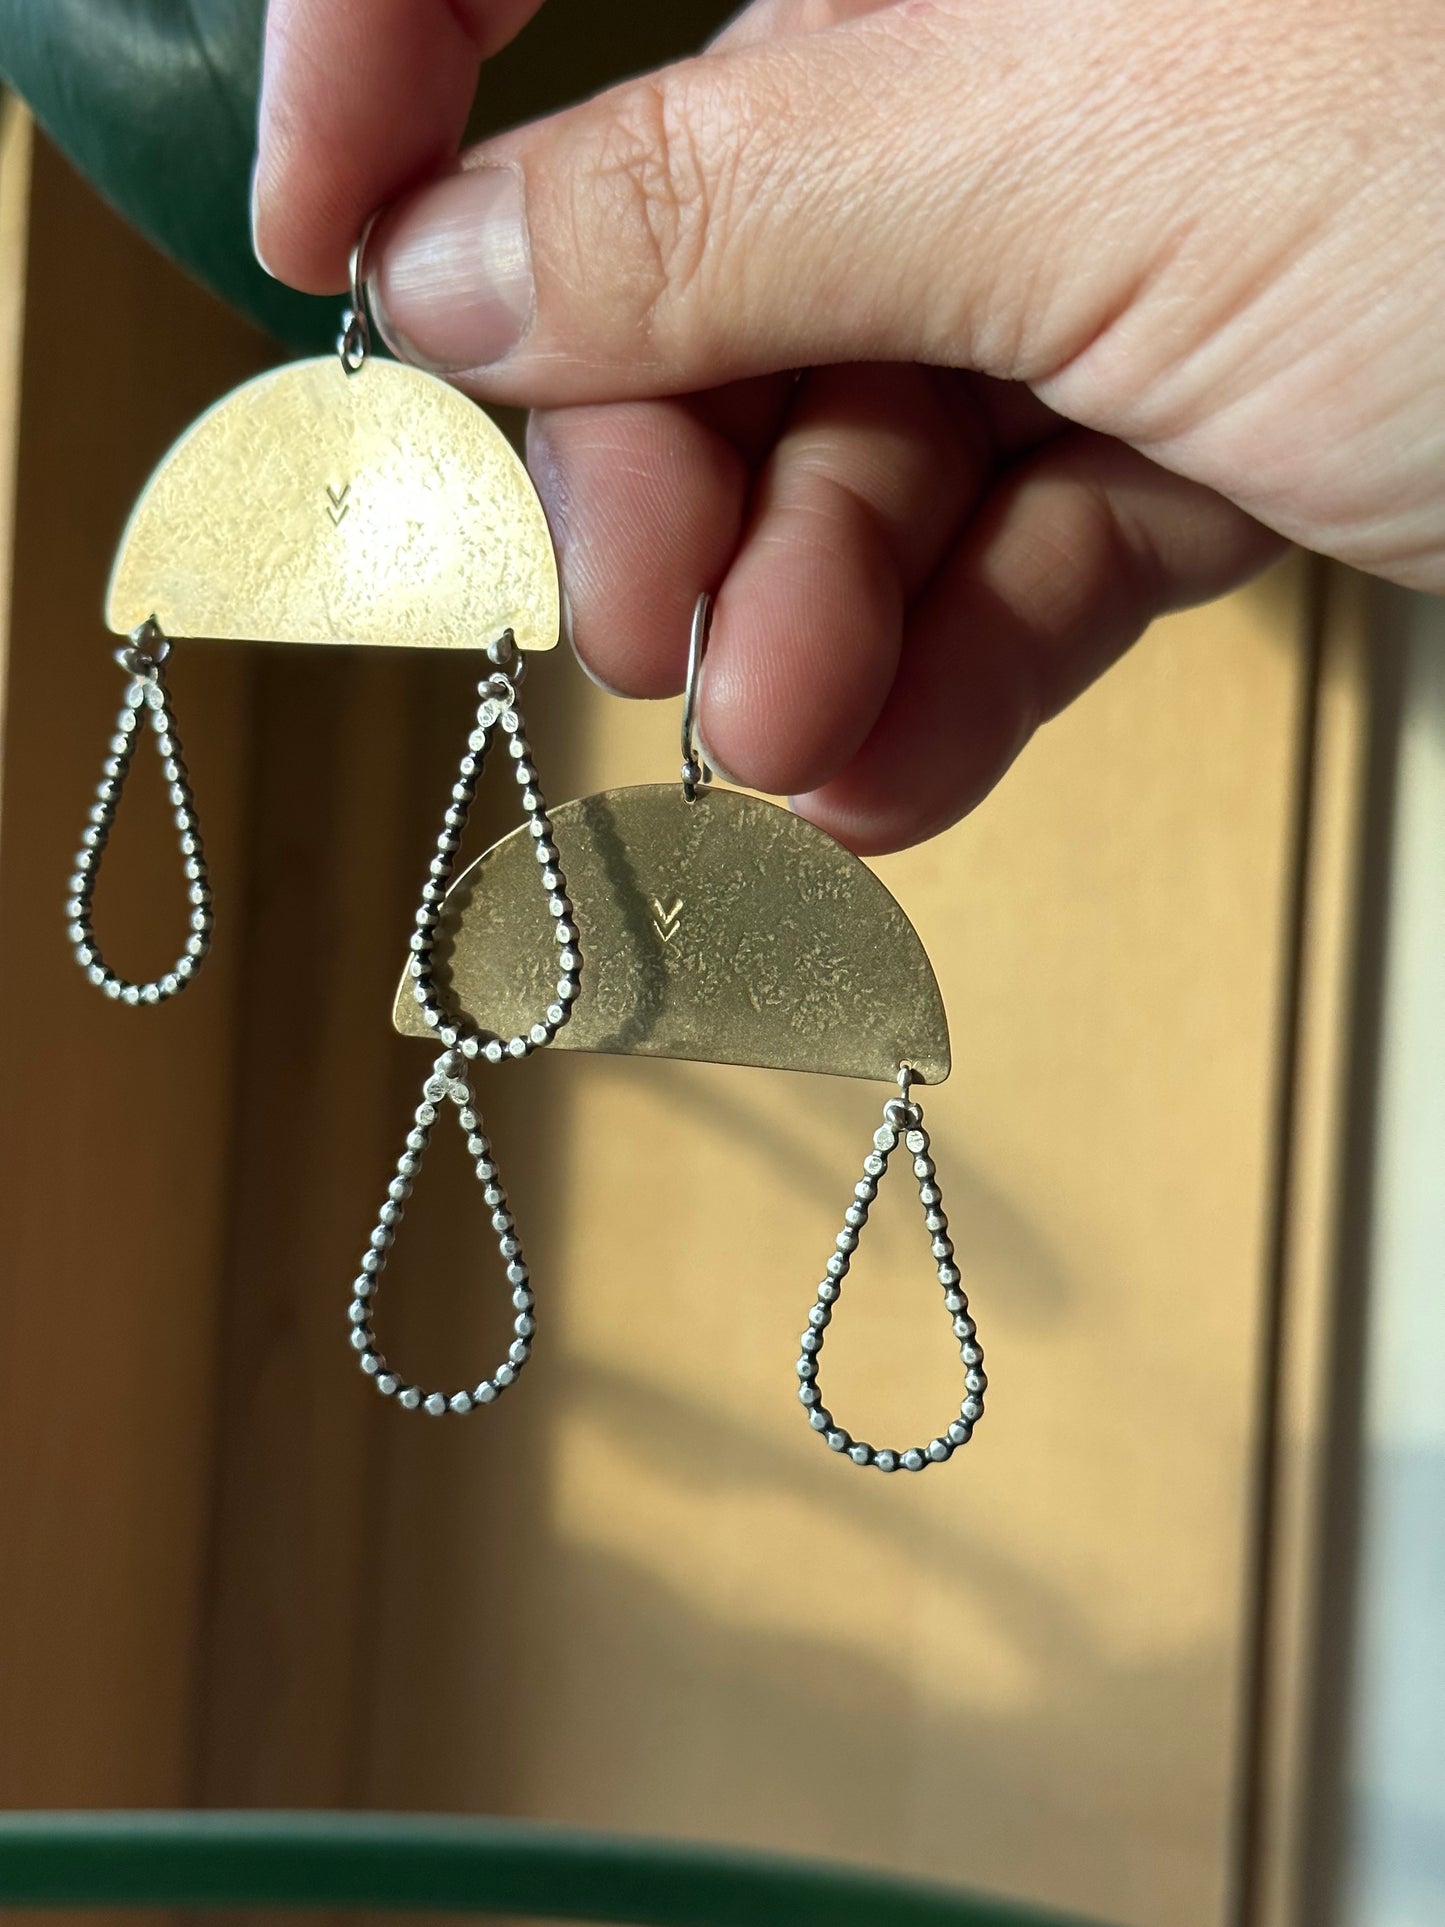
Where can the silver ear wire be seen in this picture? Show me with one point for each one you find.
(695, 772)
(353, 344)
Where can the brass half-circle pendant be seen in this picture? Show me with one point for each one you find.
(313, 505)
(726, 931)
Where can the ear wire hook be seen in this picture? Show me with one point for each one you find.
(353, 344)
(695, 772)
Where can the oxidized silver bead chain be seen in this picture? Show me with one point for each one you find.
(146, 695)
(447, 1084)
(497, 712)
(902, 1123)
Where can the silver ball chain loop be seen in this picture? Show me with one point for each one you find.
(497, 712)
(447, 1083)
(146, 695)
(902, 1123)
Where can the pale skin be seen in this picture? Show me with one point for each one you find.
(1096, 304)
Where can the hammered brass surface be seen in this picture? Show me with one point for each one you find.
(726, 931)
(315, 506)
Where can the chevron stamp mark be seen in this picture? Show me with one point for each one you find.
(667, 920)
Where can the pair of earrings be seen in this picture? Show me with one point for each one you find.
(369, 503)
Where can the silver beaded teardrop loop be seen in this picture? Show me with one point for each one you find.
(497, 713)
(902, 1124)
(146, 696)
(446, 1084)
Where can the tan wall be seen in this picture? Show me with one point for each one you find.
(639, 1593)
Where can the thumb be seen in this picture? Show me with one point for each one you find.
(868, 192)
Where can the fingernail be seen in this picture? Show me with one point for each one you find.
(551, 485)
(452, 286)
(255, 244)
(550, 482)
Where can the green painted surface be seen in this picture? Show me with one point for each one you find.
(414, 1862)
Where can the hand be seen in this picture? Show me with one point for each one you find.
(1095, 301)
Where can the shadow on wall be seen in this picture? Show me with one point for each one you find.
(992, 1231)
(822, 1746)
(675, 1694)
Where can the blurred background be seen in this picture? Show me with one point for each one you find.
(1161, 1648)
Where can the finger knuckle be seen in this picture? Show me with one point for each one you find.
(667, 170)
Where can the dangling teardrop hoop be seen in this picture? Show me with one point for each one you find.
(446, 1084)
(146, 695)
(497, 712)
(902, 1123)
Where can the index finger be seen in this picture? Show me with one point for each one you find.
(360, 100)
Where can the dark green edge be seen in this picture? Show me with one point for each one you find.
(415, 1862)
(155, 102)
